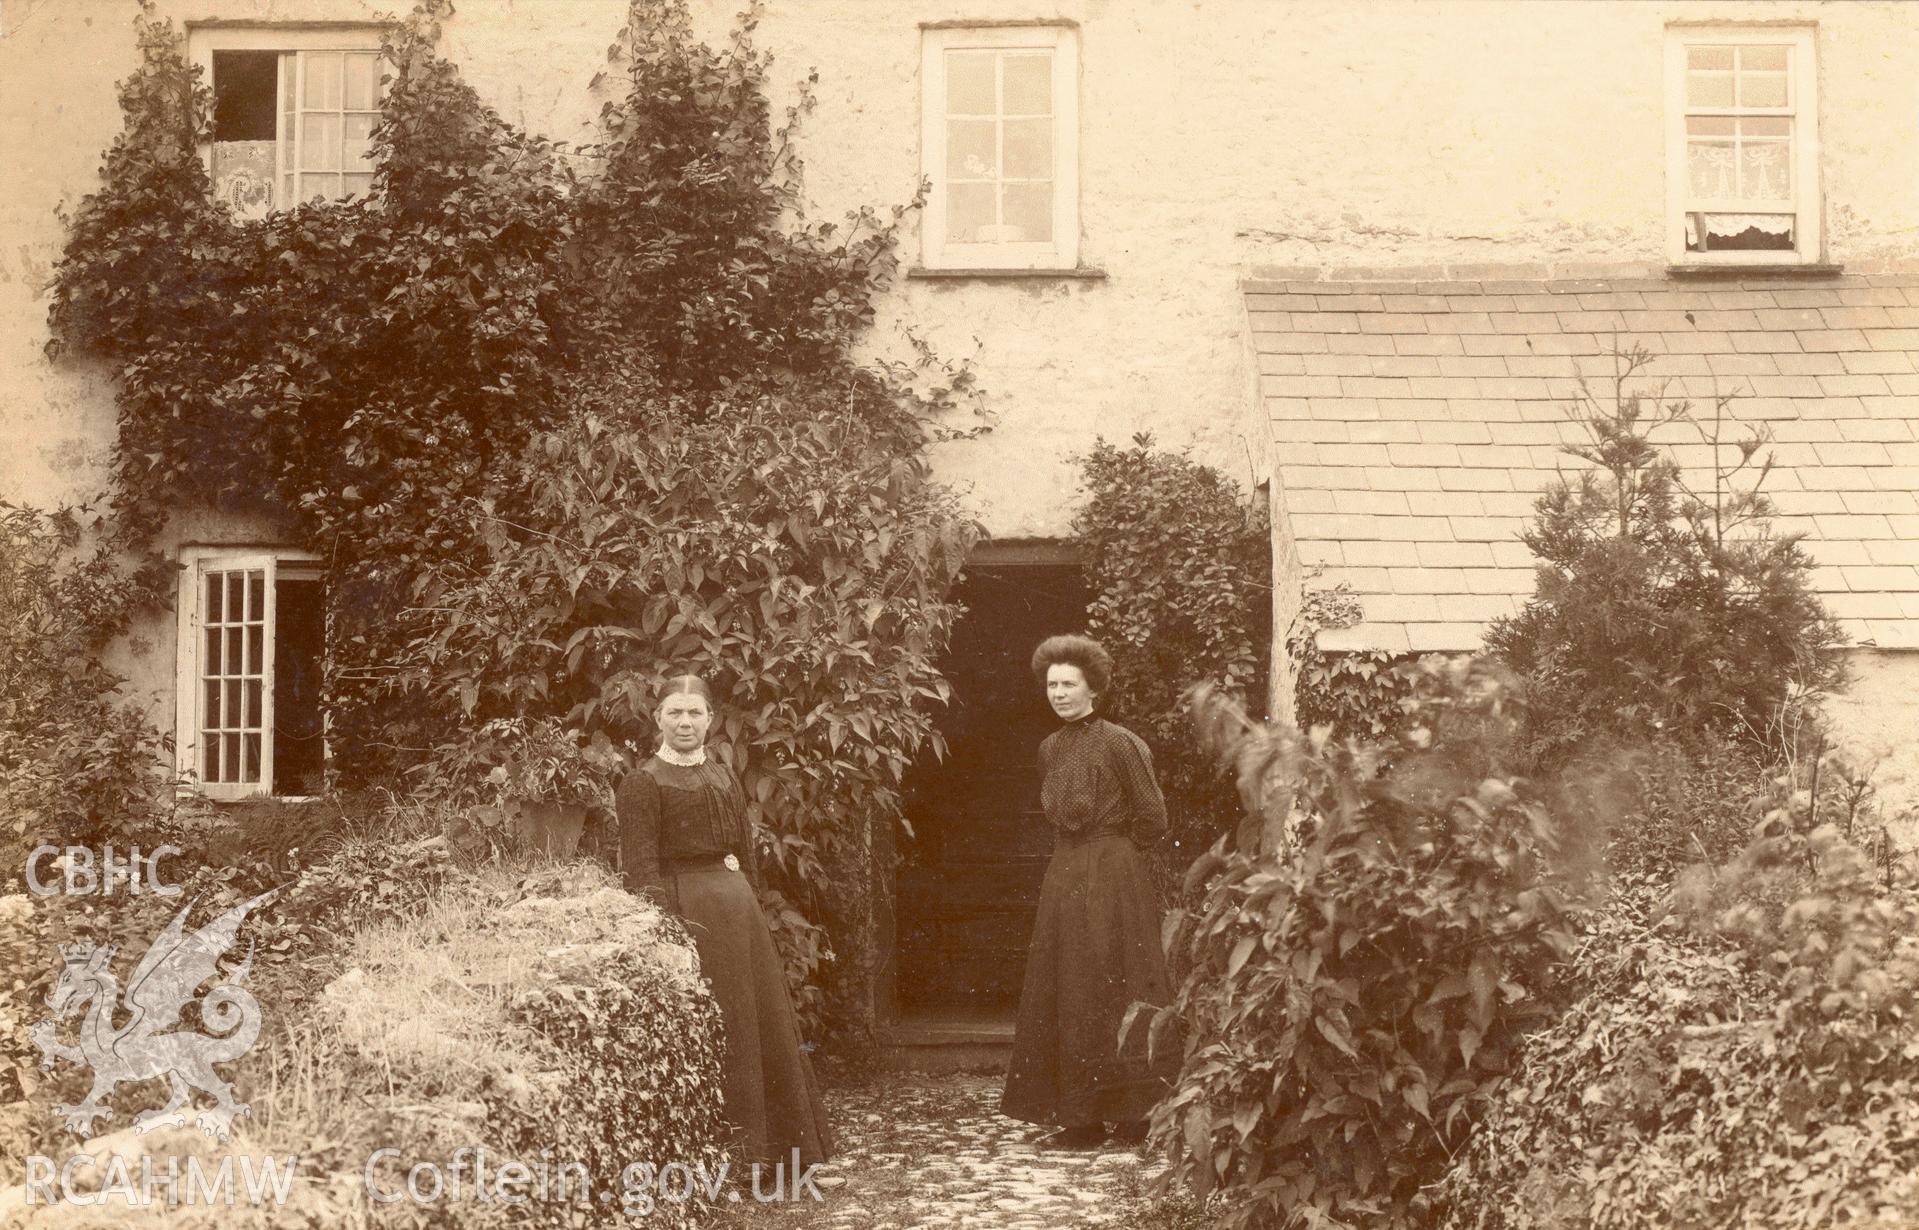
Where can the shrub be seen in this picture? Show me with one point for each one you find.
(1363, 960)
(1753, 1059)
(1662, 610)
(409, 381)
(1687, 805)
(78, 761)
(1180, 566)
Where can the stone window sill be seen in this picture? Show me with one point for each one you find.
(1080, 273)
(1702, 272)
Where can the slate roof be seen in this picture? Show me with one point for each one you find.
(1414, 423)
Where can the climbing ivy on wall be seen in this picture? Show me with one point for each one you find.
(560, 423)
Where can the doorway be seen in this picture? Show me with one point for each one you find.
(968, 880)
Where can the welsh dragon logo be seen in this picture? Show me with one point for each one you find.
(147, 1045)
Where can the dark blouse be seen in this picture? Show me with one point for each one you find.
(1097, 781)
(680, 814)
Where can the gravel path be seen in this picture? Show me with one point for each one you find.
(920, 1152)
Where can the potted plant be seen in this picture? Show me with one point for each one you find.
(541, 781)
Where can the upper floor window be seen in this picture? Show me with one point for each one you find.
(1000, 146)
(1743, 144)
(252, 631)
(293, 112)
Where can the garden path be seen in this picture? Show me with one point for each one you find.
(918, 1151)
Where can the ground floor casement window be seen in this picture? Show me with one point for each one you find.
(252, 630)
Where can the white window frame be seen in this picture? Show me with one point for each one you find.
(197, 562)
(1803, 107)
(204, 40)
(1062, 252)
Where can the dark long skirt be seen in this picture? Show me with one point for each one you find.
(1096, 950)
(771, 1098)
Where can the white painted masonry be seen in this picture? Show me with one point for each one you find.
(1224, 146)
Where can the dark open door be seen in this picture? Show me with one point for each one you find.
(968, 880)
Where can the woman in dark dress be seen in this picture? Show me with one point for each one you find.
(1096, 942)
(684, 840)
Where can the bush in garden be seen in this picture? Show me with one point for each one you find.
(1364, 958)
(327, 892)
(78, 760)
(407, 380)
(1751, 1059)
(1180, 566)
(407, 1005)
(1663, 608)
(1687, 805)
(586, 1036)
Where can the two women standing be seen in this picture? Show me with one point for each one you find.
(1096, 950)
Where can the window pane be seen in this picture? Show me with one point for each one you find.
(1762, 90)
(236, 597)
(233, 658)
(319, 187)
(298, 728)
(319, 142)
(1708, 89)
(256, 595)
(969, 208)
(211, 610)
(1709, 126)
(209, 756)
(362, 81)
(256, 650)
(1765, 171)
(1710, 164)
(253, 758)
(969, 83)
(230, 758)
(1028, 213)
(210, 665)
(252, 717)
(1029, 149)
(231, 716)
(1764, 58)
(969, 149)
(359, 130)
(244, 83)
(355, 185)
(1709, 57)
(322, 81)
(1765, 126)
(1029, 83)
(1741, 233)
(210, 716)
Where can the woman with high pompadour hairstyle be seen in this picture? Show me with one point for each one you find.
(686, 842)
(1096, 939)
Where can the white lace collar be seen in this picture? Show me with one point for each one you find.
(684, 759)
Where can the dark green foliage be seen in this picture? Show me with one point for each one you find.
(1181, 571)
(1688, 805)
(78, 760)
(1364, 959)
(1752, 1059)
(557, 425)
(1360, 694)
(639, 1081)
(1662, 611)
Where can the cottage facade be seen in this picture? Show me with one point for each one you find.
(1359, 255)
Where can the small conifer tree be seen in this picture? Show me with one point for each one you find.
(1665, 608)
